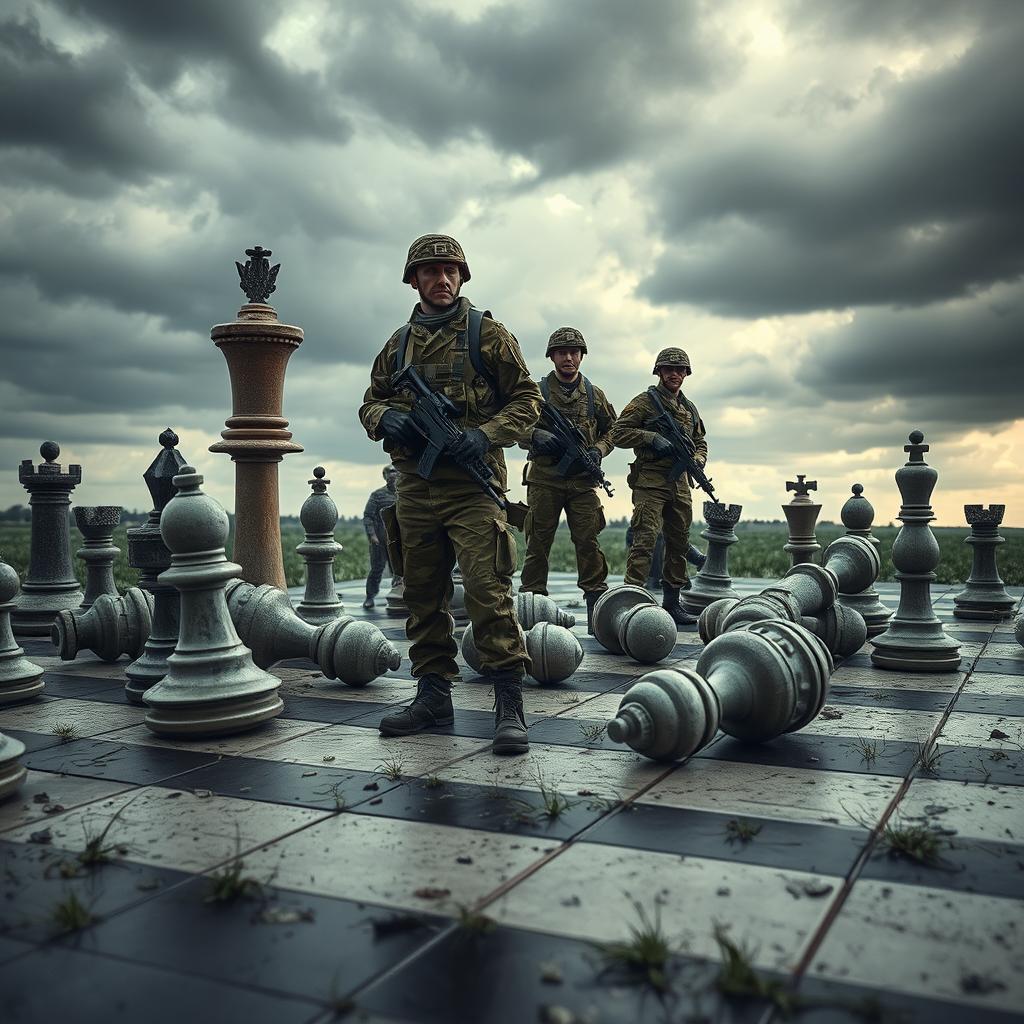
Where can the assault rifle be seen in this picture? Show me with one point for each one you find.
(575, 446)
(683, 450)
(433, 416)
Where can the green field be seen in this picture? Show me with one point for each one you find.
(759, 551)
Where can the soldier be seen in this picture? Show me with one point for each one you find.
(380, 499)
(658, 503)
(476, 362)
(548, 492)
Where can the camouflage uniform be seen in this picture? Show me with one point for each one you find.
(379, 500)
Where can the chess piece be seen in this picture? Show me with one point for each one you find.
(801, 514)
(1018, 629)
(319, 517)
(627, 620)
(50, 585)
(257, 348)
(754, 684)
(984, 595)
(148, 553)
(395, 605)
(554, 652)
(111, 627)
(457, 602)
(713, 582)
(20, 679)
(534, 608)
(12, 775)
(212, 686)
(352, 650)
(916, 640)
(857, 515)
(96, 524)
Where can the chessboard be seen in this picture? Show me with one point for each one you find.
(869, 867)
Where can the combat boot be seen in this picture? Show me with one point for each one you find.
(671, 604)
(591, 599)
(509, 721)
(696, 557)
(369, 602)
(432, 705)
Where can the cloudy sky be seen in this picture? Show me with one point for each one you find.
(821, 202)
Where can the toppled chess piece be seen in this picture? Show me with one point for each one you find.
(111, 627)
(20, 679)
(554, 652)
(627, 620)
(352, 650)
(12, 774)
(50, 585)
(857, 515)
(984, 595)
(1018, 629)
(754, 684)
(713, 582)
(916, 640)
(212, 686)
(96, 524)
(534, 608)
(801, 515)
(319, 517)
(457, 602)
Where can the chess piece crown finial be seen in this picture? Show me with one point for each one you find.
(801, 488)
(50, 451)
(257, 278)
(168, 438)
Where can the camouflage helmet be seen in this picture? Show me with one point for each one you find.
(434, 249)
(672, 357)
(566, 337)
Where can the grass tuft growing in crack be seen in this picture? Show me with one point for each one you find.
(390, 768)
(65, 731)
(738, 830)
(71, 914)
(643, 958)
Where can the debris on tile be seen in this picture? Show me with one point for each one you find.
(980, 984)
(429, 892)
(464, 859)
(830, 714)
(41, 798)
(283, 915)
(309, 775)
(42, 837)
(998, 734)
(328, 758)
(570, 901)
(202, 794)
(808, 887)
(53, 809)
(372, 787)
(551, 974)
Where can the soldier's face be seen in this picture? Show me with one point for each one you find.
(567, 362)
(672, 376)
(391, 481)
(438, 283)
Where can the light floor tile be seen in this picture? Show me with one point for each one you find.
(89, 718)
(537, 700)
(600, 707)
(876, 723)
(67, 791)
(883, 679)
(995, 684)
(93, 669)
(384, 690)
(936, 943)
(963, 729)
(973, 812)
(271, 733)
(1012, 651)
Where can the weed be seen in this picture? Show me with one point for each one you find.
(928, 757)
(592, 733)
(96, 849)
(868, 749)
(334, 791)
(433, 782)
(473, 922)
(643, 958)
(231, 883)
(71, 914)
(553, 804)
(65, 731)
(916, 843)
(390, 768)
(739, 979)
(739, 831)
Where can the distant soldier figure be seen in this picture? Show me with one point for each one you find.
(549, 492)
(380, 499)
(658, 503)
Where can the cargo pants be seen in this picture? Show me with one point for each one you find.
(667, 508)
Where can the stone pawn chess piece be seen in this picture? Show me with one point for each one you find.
(984, 595)
(96, 523)
(754, 684)
(111, 627)
(20, 679)
(352, 650)
(554, 652)
(12, 774)
(713, 582)
(916, 640)
(534, 608)
(627, 620)
(319, 517)
(457, 602)
(50, 585)
(801, 514)
(212, 686)
(148, 553)
(858, 515)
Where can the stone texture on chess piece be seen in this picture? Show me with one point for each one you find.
(754, 684)
(148, 553)
(457, 602)
(319, 517)
(50, 585)
(257, 348)
(627, 620)
(984, 595)
(352, 650)
(534, 608)
(212, 686)
(916, 640)
(713, 582)
(1018, 629)
(20, 679)
(111, 627)
(96, 523)
(12, 774)
(801, 514)
(858, 515)
(554, 651)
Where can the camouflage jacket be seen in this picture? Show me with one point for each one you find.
(505, 407)
(378, 500)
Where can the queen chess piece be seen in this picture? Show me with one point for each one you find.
(984, 595)
(713, 581)
(20, 679)
(858, 515)
(319, 517)
(801, 514)
(96, 524)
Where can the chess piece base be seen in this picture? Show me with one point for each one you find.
(903, 649)
(214, 718)
(12, 774)
(35, 612)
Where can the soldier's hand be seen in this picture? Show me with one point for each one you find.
(595, 454)
(397, 426)
(374, 540)
(472, 445)
(661, 446)
(544, 442)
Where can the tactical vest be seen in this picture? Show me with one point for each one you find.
(659, 407)
(545, 390)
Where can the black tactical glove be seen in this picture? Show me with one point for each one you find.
(472, 445)
(544, 442)
(397, 426)
(661, 446)
(595, 454)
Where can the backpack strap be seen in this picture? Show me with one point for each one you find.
(476, 317)
(590, 398)
(402, 346)
(545, 389)
(656, 398)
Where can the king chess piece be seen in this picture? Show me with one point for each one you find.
(984, 595)
(96, 524)
(916, 640)
(50, 585)
(801, 515)
(212, 686)
(319, 517)
(857, 515)
(713, 582)
(20, 679)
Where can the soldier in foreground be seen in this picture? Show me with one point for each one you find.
(658, 502)
(555, 481)
(380, 499)
(474, 365)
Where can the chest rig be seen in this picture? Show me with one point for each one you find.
(450, 375)
(545, 390)
(684, 403)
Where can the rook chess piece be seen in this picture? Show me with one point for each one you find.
(212, 686)
(96, 524)
(713, 581)
(50, 585)
(857, 515)
(20, 679)
(111, 627)
(984, 595)
(915, 640)
(627, 620)
(319, 517)
(801, 514)
(12, 775)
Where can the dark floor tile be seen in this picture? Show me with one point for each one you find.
(11, 948)
(329, 709)
(989, 704)
(34, 740)
(977, 764)
(121, 762)
(1006, 666)
(85, 687)
(37, 646)
(476, 724)
(905, 700)
(572, 732)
